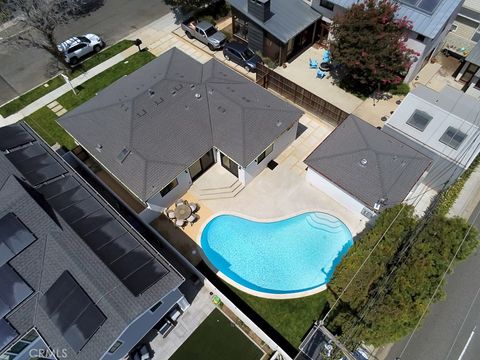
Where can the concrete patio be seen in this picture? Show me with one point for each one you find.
(299, 72)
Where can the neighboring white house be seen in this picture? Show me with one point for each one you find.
(364, 168)
(442, 125)
(431, 22)
(158, 129)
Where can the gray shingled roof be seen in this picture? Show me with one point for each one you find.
(58, 248)
(453, 101)
(392, 168)
(171, 112)
(288, 19)
(428, 25)
(474, 55)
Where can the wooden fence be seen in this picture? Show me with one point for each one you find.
(298, 95)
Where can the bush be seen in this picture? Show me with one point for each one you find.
(208, 18)
(399, 89)
(217, 10)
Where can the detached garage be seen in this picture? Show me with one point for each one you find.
(364, 168)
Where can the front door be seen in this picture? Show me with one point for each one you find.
(201, 165)
(468, 74)
(229, 164)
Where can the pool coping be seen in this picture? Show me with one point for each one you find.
(249, 291)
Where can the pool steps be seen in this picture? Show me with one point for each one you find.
(332, 226)
(225, 192)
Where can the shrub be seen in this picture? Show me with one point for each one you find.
(208, 18)
(399, 89)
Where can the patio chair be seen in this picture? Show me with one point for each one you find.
(180, 223)
(313, 63)
(192, 218)
(193, 207)
(171, 214)
(179, 202)
(321, 74)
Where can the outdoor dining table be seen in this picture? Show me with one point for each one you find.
(182, 211)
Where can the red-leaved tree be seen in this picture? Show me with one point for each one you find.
(369, 45)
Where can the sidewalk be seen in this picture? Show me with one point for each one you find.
(468, 198)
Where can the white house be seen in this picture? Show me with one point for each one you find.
(443, 126)
(158, 129)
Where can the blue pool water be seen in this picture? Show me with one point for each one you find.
(288, 256)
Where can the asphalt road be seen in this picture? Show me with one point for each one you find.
(451, 330)
(22, 69)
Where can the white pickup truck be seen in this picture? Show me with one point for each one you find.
(205, 32)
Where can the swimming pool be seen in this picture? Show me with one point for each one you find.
(281, 257)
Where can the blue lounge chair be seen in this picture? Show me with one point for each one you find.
(321, 74)
(313, 63)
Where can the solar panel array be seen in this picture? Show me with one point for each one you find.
(13, 136)
(7, 333)
(121, 252)
(14, 237)
(113, 244)
(427, 6)
(72, 311)
(14, 289)
(35, 164)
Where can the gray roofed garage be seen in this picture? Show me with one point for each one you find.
(368, 163)
(153, 124)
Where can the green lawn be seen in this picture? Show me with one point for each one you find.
(291, 318)
(217, 338)
(44, 122)
(16, 105)
(90, 87)
(19, 103)
(101, 57)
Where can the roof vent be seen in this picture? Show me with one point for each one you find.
(187, 107)
(279, 123)
(363, 162)
(178, 87)
(158, 101)
(122, 155)
(395, 157)
(151, 92)
(142, 113)
(198, 96)
(210, 91)
(221, 109)
(99, 147)
(192, 86)
(173, 92)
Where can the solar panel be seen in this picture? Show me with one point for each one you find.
(13, 289)
(35, 164)
(427, 6)
(112, 243)
(14, 237)
(13, 136)
(72, 311)
(7, 333)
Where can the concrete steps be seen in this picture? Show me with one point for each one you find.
(224, 192)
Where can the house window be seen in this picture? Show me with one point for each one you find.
(476, 36)
(327, 4)
(264, 154)
(453, 137)
(420, 37)
(419, 120)
(477, 85)
(115, 346)
(240, 28)
(169, 187)
(156, 306)
(453, 28)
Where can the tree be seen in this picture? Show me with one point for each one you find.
(187, 5)
(40, 19)
(369, 45)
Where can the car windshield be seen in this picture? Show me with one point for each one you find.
(84, 39)
(210, 31)
(248, 54)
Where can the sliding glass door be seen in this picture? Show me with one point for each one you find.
(201, 165)
(229, 164)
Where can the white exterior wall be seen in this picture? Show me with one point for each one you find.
(472, 90)
(334, 191)
(281, 143)
(158, 203)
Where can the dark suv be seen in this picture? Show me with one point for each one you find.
(241, 55)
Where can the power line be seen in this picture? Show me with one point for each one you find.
(439, 284)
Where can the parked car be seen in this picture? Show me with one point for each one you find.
(75, 48)
(205, 32)
(240, 54)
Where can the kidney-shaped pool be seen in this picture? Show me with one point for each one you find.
(283, 257)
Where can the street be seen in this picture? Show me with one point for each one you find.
(23, 68)
(451, 330)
